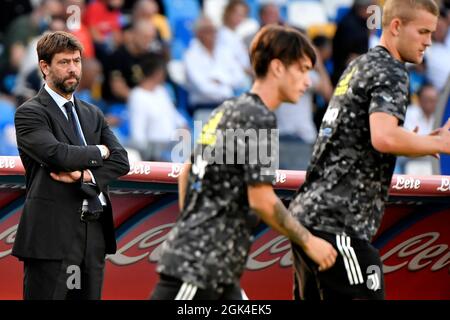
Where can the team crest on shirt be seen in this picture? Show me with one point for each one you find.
(208, 136)
(343, 84)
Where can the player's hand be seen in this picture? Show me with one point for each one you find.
(66, 177)
(444, 133)
(433, 133)
(321, 252)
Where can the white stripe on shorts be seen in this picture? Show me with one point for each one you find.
(355, 260)
(350, 260)
(187, 292)
(344, 256)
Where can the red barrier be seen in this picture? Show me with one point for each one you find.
(159, 172)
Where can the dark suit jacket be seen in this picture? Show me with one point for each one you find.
(47, 144)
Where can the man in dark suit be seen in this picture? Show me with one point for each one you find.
(70, 156)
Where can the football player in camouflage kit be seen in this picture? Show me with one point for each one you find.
(347, 182)
(205, 253)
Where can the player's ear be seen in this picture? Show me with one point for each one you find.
(276, 67)
(395, 26)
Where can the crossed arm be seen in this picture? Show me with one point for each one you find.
(36, 139)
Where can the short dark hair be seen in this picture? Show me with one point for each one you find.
(57, 42)
(151, 63)
(277, 42)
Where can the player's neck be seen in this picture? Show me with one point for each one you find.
(384, 42)
(265, 90)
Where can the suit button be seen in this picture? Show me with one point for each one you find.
(94, 162)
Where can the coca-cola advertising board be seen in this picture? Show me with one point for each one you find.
(413, 240)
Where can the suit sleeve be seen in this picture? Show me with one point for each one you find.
(36, 139)
(117, 164)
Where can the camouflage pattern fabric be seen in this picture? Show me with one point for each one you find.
(211, 240)
(348, 180)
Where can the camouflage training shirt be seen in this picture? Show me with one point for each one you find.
(211, 240)
(347, 181)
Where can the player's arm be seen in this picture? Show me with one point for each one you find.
(182, 183)
(388, 137)
(263, 200)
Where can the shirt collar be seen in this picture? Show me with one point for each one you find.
(59, 99)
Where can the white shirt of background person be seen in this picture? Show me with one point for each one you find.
(297, 119)
(153, 116)
(213, 77)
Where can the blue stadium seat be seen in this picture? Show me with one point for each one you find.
(445, 159)
(7, 147)
(181, 15)
(341, 12)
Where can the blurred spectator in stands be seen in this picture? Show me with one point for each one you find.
(149, 9)
(104, 20)
(123, 72)
(89, 89)
(211, 71)
(421, 117)
(417, 77)
(269, 13)
(12, 9)
(351, 38)
(447, 10)
(29, 78)
(122, 69)
(438, 55)
(234, 14)
(153, 116)
(81, 31)
(8, 144)
(9, 72)
(25, 27)
(324, 46)
(296, 125)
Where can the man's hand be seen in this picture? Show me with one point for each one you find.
(320, 251)
(87, 176)
(66, 177)
(71, 177)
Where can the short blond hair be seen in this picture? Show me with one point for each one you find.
(405, 10)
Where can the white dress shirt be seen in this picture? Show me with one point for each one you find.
(60, 101)
(297, 119)
(212, 77)
(227, 38)
(416, 117)
(438, 64)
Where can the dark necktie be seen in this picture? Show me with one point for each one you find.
(73, 123)
(94, 204)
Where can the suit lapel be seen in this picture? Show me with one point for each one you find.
(58, 115)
